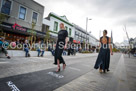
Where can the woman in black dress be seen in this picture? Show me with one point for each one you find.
(60, 46)
(103, 59)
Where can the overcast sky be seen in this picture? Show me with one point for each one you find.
(105, 14)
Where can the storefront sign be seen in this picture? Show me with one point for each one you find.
(75, 41)
(19, 28)
(32, 32)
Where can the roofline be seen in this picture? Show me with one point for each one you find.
(58, 17)
(37, 3)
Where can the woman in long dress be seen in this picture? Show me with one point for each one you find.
(103, 59)
(60, 46)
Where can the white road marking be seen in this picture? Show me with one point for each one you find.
(12, 86)
(41, 58)
(74, 69)
(55, 75)
(3, 62)
(2, 59)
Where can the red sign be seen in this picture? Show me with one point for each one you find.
(75, 41)
(18, 27)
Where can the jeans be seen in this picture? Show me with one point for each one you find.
(64, 52)
(52, 52)
(27, 51)
(39, 51)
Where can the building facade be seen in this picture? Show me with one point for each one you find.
(20, 17)
(85, 39)
(52, 23)
(76, 34)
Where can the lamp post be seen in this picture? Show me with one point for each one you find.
(86, 28)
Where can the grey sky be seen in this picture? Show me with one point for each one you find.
(105, 14)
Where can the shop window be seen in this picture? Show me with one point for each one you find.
(6, 7)
(22, 13)
(34, 18)
(70, 31)
(55, 26)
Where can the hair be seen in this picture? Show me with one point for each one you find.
(62, 25)
(105, 31)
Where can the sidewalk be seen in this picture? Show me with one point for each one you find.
(122, 77)
(23, 65)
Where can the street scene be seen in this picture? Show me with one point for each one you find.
(67, 45)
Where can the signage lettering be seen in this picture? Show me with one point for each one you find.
(18, 27)
(55, 75)
(12, 86)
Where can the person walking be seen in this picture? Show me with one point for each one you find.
(60, 46)
(103, 59)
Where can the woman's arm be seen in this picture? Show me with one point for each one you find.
(110, 46)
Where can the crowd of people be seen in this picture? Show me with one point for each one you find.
(39, 46)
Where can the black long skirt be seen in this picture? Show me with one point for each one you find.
(58, 52)
(103, 59)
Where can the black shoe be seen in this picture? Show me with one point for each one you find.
(8, 57)
(108, 70)
(104, 71)
(41, 55)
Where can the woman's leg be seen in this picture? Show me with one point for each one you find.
(64, 64)
(58, 63)
(100, 69)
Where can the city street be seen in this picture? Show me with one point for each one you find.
(38, 74)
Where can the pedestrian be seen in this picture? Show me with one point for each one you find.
(103, 59)
(53, 50)
(26, 48)
(60, 46)
(40, 49)
(17, 42)
(3, 44)
(64, 52)
(69, 48)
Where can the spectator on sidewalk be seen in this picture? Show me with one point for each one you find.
(17, 42)
(64, 52)
(53, 50)
(40, 49)
(2, 48)
(26, 48)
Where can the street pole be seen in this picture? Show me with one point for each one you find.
(128, 39)
(86, 30)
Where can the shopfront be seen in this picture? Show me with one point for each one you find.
(14, 32)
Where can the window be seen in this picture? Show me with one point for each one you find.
(22, 13)
(70, 31)
(34, 18)
(55, 26)
(66, 27)
(6, 6)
